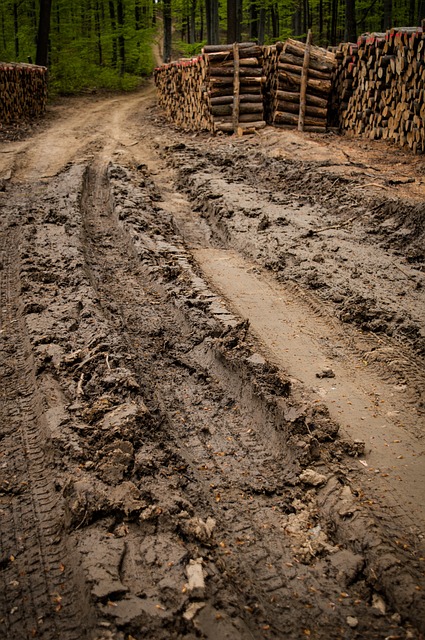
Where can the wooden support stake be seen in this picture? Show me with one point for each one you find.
(236, 86)
(304, 79)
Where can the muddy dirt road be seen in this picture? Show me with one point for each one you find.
(212, 363)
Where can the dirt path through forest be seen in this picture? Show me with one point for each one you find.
(187, 322)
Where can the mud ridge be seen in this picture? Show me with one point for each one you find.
(236, 380)
(295, 220)
(41, 594)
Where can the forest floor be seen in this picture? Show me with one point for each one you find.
(212, 362)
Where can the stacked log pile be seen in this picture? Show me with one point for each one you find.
(221, 90)
(300, 96)
(347, 61)
(23, 91)
(181, 90)
(270, 70)
(235, 79)
(380, 86)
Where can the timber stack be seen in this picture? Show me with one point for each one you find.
(221, 90)
(235, 79)
(300, 96)
(271, 55)
(23, 91)
(181, 90)
(380, 86)
(347, 61)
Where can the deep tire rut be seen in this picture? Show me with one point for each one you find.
(39, 596)
(243, 478)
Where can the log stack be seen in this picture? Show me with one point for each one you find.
(181, 90)
(380, 87)
(342, 83)
(270, 70)
(235, 79)
(285, 96)
(221, 90)
(23, 91)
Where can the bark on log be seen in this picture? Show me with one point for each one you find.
(297, 69)
(317, 86)
(244, 126)
(219, 48)
(283, 117)
(317, 54)
(292, 107)
(244, 107)
(294, 96)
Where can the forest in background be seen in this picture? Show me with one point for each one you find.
(90, 44)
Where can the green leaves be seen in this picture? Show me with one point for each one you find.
(108, 43)
(92, 44)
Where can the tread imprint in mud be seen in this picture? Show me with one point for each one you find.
(207, 448)
(212, 457)
(38, 597)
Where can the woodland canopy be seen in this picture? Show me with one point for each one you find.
(108, 43)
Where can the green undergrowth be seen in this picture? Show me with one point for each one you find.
(80, 78)
(188, 50)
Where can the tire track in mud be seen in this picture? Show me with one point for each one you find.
(198, 456)
(272, 211)
(215, 197)
(39, 595)
(255, 565)
(393, 397)
(180, 447)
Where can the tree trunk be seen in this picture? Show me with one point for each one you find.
(208, 10)
(275, 21)
(167, 31)
(253, 21)
(412, 4)
(387, 18)
(211, 11)
(98, 34)
(350, 34)
(261, 25)
(334, 21)
(320, 22)
(41, 57)
(215, 21)
(306, 21)
(240, 19)
(114, 33)
(16, 29)
(185, 27)
(233, 21)
(3, 30)
(421, 12)
(137, 14)
(297, 19)
(201, 24)
(138, 19)
(32, 13)
(121, 42)
(58, 23)
(192, 24)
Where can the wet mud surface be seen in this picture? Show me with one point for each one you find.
(165, 473)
